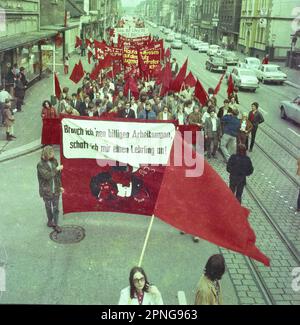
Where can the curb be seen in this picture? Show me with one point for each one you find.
(292, 84)
(20, 151)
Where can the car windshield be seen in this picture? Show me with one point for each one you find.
(218, 60)
(253, 62)
(272, 69)
(247, 73)
(214, 47)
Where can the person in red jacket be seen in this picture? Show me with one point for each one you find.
(266, 59)
(48, 111)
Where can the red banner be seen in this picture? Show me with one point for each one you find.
(135, 42)
(151, 58)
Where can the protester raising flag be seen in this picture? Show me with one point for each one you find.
(200, 93)
(230, 88)
(179, 80)
(219, 85)
(77, 73)
(57, 88)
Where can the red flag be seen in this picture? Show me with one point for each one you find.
(167, 79)
(90, 54)
(106, 63)
(57, 87)
(95, 73)
(230, 88)
(160, 75)
(204, 206)
(190, 81)
(200, 93)
(142, 66)
(77, 73)
(78, 42)
(132, 86)
(88, 43)
(99, 49)
(219, 85)
(177, 83)
(168, 53)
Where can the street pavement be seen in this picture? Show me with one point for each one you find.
(96, 269)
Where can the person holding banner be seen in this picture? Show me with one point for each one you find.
(49, 177)
(140, 291)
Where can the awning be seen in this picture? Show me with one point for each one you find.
(60, 28)
(75, 10)
(9, 43)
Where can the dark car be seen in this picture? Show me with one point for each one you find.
(215, 63)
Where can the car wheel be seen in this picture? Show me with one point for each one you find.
(263, 80)
(254, 90)
(282, 113)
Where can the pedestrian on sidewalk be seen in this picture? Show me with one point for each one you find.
(256, 118)
(140, 291)
(239, 167)
(298, 173)
(266, 59)
(9, 121)
(66, 64)
(49, 177)
(209, 289)
(5, 97)
(19, 92)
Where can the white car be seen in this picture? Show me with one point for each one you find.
(178, 36)
(170, 38)
(290, 109)
(244, 78)
(203, 47)
(213, 50)
(252, 64)
(177, 44)
(271, 73)
(195, 45)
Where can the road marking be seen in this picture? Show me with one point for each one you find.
(294, 132)
(265, 112)
(181, 298)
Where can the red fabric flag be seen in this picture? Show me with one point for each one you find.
(77, 73)
(88, 43)
(177, 83)
(90, 54)
(144, 71)
(167, 79)
(219, 85)
(95, 73)
(132, 86)
(106, 63)
(204, 206)
(230, 88)
(57, 87)
(99, 49)
(190, 81)
(160, 75)
(168, 53)
(200, 93)
(78, 42)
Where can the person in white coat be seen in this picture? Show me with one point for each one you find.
(140, 292)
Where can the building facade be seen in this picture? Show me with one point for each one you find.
(209, 21)
(229, 23)
(267, 26)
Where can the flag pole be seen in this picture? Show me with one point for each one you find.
(146, 241)
(54, 63)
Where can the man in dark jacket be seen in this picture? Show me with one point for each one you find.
(19, 92)
(231, 126)
(256, 118)
(49, 177)
(239, 166)
(127, 112)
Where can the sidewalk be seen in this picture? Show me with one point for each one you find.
(293, 74)
(28, 124)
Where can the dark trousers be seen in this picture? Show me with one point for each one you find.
(298, 203)
(19, 103)
(237, 188)
(215, 140)
(52, 209)
(253, 136)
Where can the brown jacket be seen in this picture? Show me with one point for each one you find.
(161, 116)
(195, 118)
(9, 119)
(206, 293)
(46, 176)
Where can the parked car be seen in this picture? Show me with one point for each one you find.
(229, 71)
(252, 64)
(191, 41)
(290, 109)
(271, 73)
(203, 47)
(178, 36)
(244, 78)
(230, 57)
(170, 38)
(215, 63)
(195, 45)
(177, 44)
(184, 38)
(213, 49)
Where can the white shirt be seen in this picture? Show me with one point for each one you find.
(214, 124)
(4, 95)
(180, 117)
(205, 116)
(149, 298)
(188, 110)
(165, 116)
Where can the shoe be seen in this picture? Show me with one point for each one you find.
(50, 224)
(12, 136)
(196, 239)
(8, 137)
(182, 233)
(57, 229)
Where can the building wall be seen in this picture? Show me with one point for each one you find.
(20, 17)
(52, 12)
